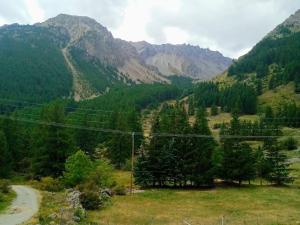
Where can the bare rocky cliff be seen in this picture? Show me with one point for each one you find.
(139, 62)
(96, 41)
(184, 60)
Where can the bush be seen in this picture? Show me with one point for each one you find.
(127, 166)
(4, 186)
(290, 143)
(217, 126)
(214, 110)
(102, 175)
(78, 167)
(91, 196)
(50, 184)
(120, 190)
(1, 197)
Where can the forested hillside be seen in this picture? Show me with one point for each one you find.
(274, 60)
(104, 123)
(32, 65)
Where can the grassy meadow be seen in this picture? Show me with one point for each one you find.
(252, 204)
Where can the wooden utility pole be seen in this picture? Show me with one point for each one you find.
(132, 158)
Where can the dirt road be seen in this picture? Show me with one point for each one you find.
(23, 207)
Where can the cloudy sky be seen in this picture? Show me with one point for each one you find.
(229, 26)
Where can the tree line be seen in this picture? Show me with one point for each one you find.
(198, 159)
(239, 97)
(36, 140)
(281, 52)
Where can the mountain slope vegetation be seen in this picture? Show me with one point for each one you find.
(275, 60)
(32, 65)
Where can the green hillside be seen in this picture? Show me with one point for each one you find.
(275, 61)
(32, 65)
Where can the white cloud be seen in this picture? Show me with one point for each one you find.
(2, 21)
(138, 14)
(229, 26)
(35, 11)
(175, 35)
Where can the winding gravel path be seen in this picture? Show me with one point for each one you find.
(23, 207)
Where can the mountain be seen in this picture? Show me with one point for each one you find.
(290, 26)
(74, 56)
(183, 60)
(275, 60)
(32, 65)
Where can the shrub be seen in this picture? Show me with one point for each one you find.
(290, 143)
(217, 126)
(4, 186)
(120, 190)
(214, 110)
(127, 166)
(50, 184)
(1, 197)
(78, 167)
(91, 196)
(102, 175)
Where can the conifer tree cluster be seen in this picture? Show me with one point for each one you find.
(281, 52)
(177, 160)
(239, 97)
(189, 160)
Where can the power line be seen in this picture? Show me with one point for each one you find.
(138, 133)
(67, 107)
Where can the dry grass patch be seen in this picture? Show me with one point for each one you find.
(282, 93)
(239, 206)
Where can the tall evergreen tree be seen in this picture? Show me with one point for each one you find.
(277, 163)
(214, 110)
(238, 162)
(54, 143)
(261, 165)
(86, 139)
(202, 148)
(5, 157)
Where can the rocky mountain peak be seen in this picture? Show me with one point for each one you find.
(77, 26)
(289, 26)
(183, 59)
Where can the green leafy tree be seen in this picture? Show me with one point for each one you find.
(77, 168)
(102, 174)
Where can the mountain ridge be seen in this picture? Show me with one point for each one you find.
(97, 61)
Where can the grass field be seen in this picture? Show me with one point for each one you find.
(276, 96)
(6, 199)
(265, 205)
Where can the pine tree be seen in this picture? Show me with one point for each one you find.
(17, 143)
(142, 173)
(202, 148)
(238, 163)
(277, 163)
(54, 143)
(5, 157)
(191, 106)
(86, 139)
(214, 110)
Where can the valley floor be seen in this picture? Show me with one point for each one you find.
(249, 204)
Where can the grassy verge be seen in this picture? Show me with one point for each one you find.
(6, 199)
(53, 208)
(252, 204)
